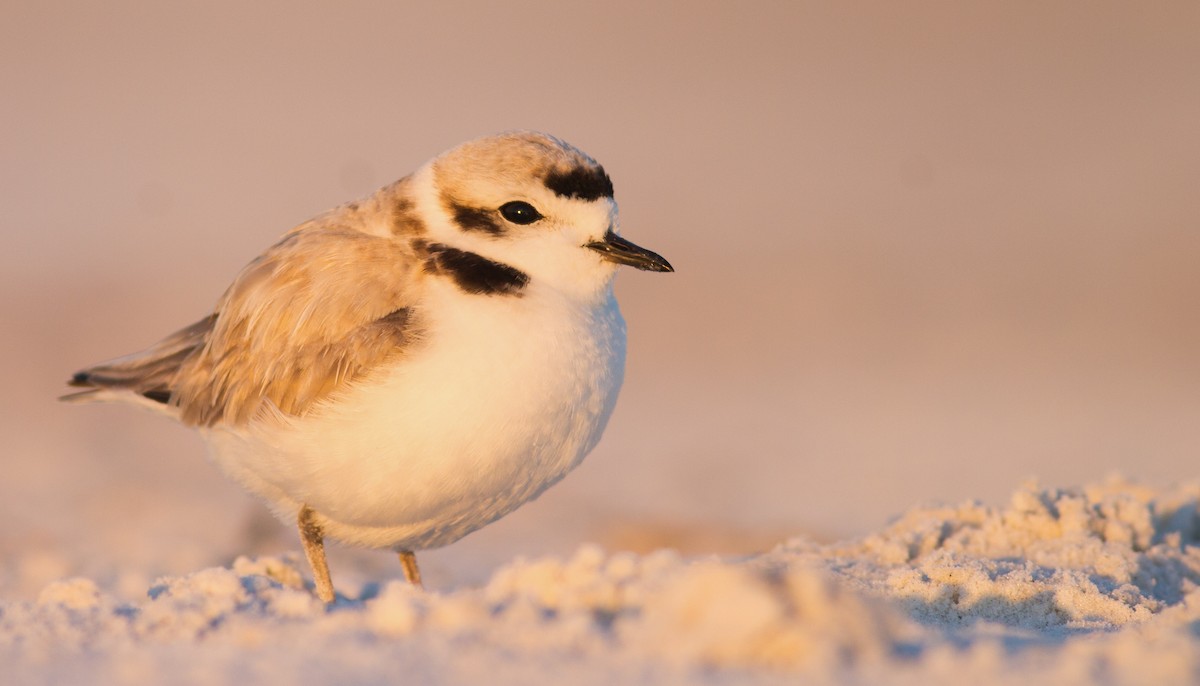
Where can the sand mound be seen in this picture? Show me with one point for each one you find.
(1060, 586)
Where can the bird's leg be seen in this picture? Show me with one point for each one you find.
(314, 550)
(408, 560)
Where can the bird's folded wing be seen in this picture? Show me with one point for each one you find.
(318, 310)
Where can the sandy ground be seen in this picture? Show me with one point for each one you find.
(1095, 585)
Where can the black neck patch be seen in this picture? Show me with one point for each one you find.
(475, 219)
(474, 273)
(585, 183)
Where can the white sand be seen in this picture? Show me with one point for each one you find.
(1097, 585)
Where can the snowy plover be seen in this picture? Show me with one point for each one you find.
(407, 368)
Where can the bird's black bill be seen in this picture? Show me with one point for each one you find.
(617, 249)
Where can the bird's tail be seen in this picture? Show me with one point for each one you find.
(147, 375)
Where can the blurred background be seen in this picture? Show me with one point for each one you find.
(924, 252)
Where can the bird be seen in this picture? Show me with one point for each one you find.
(411, 366)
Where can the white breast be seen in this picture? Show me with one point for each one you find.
(501, 398)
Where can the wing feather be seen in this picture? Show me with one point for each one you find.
(314, 312)
(318, 310)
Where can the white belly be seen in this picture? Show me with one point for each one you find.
(500, 400)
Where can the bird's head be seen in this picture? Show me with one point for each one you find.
(534, 203)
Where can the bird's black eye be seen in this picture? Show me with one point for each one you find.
(519, 212)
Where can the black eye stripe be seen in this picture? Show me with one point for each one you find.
(473, 219)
